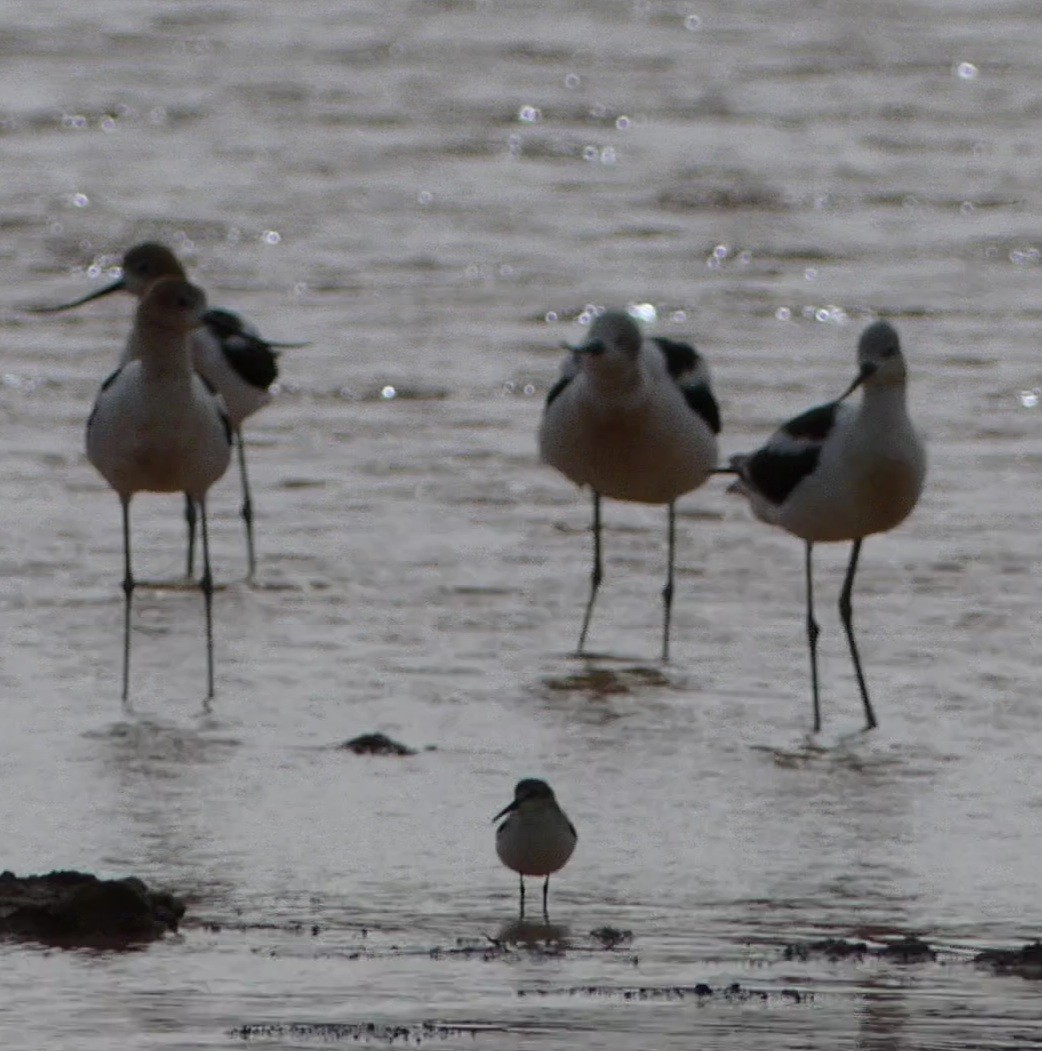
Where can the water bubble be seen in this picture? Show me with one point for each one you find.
(529, 389)
(107, 123)
(388, 392)
(79, 200)
(505, 270)
(721, 252)
(74, 120)
(551, 316)
(783, 314)
(530, 114)
(745, 258)
(590, 153)
(966, 71)
(572, 80)
(622, 123)
(714, 262)
(645, 312)
(424, 197)
(608, 155)
(1029, 398)
(966, 208)
(693, 23)
(271, 237)
(678, 317)
(810, 274)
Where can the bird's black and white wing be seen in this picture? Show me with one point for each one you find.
(689, 371)
(569, 370)
(791, 453)
(254, 359)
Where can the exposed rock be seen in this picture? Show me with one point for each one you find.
(1026, 962)
(77, 909)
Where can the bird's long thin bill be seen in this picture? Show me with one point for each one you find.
(866, 371)
(116, 286)
(509, 808)
(287, 346)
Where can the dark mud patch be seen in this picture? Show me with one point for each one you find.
(607, 682)
(1025, 962)
(733, 993)
(362, 1032)
(909, 949)
(78, 910)
(376, 744)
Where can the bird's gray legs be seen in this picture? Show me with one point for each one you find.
(812, 640)
(667, 591)
(546, 888)
(846, 615)
(522, 915)
(128, 591)
(206, 583)
(598, 570)
(247, 506)
(190, 521)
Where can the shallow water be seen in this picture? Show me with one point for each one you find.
(418, 188)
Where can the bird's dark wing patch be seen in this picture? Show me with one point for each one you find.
(776, 472)
(247, 353)
(680, 357)
(814, 424)
(557, 388)
(572, 827)
(108, 381)
(701, 400)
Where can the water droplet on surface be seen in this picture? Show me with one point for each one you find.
(622, 123)
(550, 316)
(79, 200)
(271, 237)
(783, 314)
(388, 392)
(74, 120)
(693, 23)
(966, 71)
(590, 153)
(1029, 398)
(530, 114)
(721, 252)
(529, 389)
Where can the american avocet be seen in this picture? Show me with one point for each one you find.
(226, 351)
(633, 419)
(838, 473)
(537, 839)
(157, 427)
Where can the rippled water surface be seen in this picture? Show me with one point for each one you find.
(431, 193)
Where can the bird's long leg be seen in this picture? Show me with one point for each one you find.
(128, 592)
(667, 591)
(597, 573)
(846, 615)
(247, 505)
(522, 915)
(546, 889)
(190, 522)
(812, 640)
(206, 584)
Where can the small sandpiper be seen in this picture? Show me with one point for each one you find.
(537, 839)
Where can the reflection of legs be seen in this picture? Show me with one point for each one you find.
(812, 640)
(546, 888)
(190, 520)
(846, 615)
(247, 506)
(206, 583)
(667, 591)
(128, 591)
(522, 879)
(598, 571)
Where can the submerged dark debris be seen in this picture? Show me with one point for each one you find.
(76, 909)
(380, 1032)
(734, 993)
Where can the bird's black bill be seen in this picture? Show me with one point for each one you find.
(508, 809)
(867, 369)
(595, 346)
(116, 286)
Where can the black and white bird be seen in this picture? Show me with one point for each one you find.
(537, 839)
(634, 419)
(841, 472)
(226, 351)
(157, 427)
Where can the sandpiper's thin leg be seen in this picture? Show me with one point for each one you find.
(667, 591)
(546, 889)
(846, 615)
(522, 879)
(812, 640)
(206, 583)
(128, 591)
(247, 506)
(190, 521)
(597, 573)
